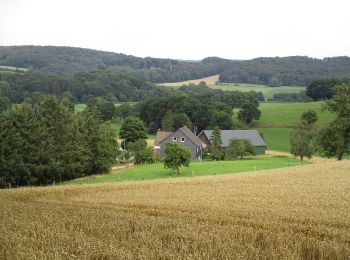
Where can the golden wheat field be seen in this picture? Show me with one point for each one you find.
(299, 212)
(209, 80)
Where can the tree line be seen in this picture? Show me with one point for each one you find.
(198, 110)
(290, 71)
(81, 86)
(47, 142)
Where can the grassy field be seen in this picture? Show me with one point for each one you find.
(157, 171)
(277, 139)
(292, 213)
(267, 91)
(277, 120)
(288, 114)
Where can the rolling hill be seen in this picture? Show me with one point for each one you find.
(291, 71)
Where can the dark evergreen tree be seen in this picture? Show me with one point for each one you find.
(216, 142)
(168, 121)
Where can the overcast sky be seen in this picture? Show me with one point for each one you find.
(182, 29)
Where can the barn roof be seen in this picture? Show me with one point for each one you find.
(226, 135)
(195, 139)
(161, 135)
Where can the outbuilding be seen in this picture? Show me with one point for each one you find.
(226, 135)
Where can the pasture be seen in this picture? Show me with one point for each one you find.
(286, 114)
(277, 120)
(290, 213)
(266, 90)
(157, 171)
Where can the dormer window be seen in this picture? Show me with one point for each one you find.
(182, 139)
(174, 139)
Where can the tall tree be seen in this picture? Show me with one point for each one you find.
(215, 140)
(180, 120)
(334, 140)
(106, 107)
(26, 148)
(70, 145)
(221, 119)
(132, 130)
(101, 143)
(168, 121)
(248, 113)
(301, 138)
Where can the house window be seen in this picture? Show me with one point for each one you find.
(182, 139)
(174, 139)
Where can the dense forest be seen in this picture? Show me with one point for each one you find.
(298, 70)
(81, 86)
(287, 71)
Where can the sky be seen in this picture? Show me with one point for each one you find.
(182, 29)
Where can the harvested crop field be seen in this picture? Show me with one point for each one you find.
(300, 212)
(208, 80)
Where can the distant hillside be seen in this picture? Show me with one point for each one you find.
(67, 60)
(81, 86)
(288, 71)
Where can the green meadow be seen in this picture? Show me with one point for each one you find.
(288, 114)
(267, 91)
(278, 119)
(157, 171)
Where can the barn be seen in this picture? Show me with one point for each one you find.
(226, 135)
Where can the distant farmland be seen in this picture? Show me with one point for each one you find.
(299, 212)
(266, 90)
(208, 80)
(12, 69)
(212, 83)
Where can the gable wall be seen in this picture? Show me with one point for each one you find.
(196, 151)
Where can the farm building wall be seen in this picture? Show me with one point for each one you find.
(259, 150)
(196, 151)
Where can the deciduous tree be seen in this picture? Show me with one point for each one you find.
(176, 156)
(132, 130)
(239, 148)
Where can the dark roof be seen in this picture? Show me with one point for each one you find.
(161, 135)
(195, 139)
(226, 135)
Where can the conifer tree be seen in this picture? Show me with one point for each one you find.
(216, 142)
(168, 121)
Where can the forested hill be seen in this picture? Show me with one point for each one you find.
(298, 70)
(67, 60)
(289, 71)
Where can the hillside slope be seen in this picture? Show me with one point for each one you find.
(291, 71)
(299, 212)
